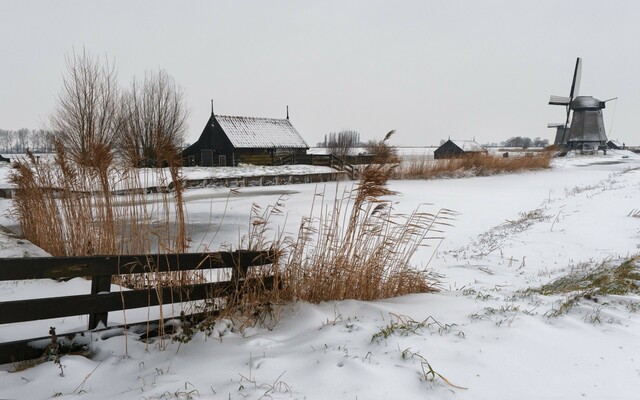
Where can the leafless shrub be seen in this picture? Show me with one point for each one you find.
(341, 144)
(154, 121)
(86, 116)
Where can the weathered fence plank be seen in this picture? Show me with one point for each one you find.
(12, 269)
(67, 306)
(101, 301)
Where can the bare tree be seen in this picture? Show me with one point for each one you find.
(22, 136)
(86, 115)
(342, 143)
(154, 121)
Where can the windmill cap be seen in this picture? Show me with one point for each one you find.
(587, 103)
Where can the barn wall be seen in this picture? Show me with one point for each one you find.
(212, 138)
(447, 150)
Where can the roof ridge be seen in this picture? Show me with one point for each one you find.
(240, 116)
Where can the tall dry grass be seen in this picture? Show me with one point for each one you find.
(70, 209)
(476, 165)
(355, 246)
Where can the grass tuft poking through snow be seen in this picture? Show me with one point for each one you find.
(590, 283)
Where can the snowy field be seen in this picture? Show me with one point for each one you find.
(480, 337)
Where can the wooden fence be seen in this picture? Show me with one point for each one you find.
(265, 180)
(323, 160)
(100, 301)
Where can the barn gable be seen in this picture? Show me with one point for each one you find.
(458, 148)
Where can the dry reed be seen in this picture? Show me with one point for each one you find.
(355, 246)
(70, 209)
(476, 165)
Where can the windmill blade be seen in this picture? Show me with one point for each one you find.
(613, 98)
(575, 83)
(559, 100)
(555, 124)
(575, 89)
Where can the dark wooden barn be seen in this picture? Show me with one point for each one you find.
(612, 144)
(458, 148)
(228, 141)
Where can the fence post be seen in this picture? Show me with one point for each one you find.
(238, 273)
(99, 284)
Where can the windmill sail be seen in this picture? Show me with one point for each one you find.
(563, 129)
(559, 100)
(575, 88)
(577, 75)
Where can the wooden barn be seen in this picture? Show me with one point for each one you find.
(228, 141)
(458, 148)
(612, 144)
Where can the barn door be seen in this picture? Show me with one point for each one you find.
(206, 157)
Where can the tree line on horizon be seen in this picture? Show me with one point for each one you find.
(21, 140)
(521, 141)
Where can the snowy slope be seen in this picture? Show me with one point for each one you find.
(481, 332)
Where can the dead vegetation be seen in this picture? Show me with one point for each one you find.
(355, 246)
(351, 246)
(70, 209)
(591, 282)
(477, 165)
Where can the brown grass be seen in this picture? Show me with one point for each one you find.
(70, 209)
(478, 165)
(355, 246)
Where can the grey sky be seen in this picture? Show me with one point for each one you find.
(429, 69)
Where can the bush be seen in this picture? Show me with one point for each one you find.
(357, 247)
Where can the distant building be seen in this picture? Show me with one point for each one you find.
(227, 141)
(612, 144)
(458, 148)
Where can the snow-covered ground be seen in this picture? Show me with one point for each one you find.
(482, 336)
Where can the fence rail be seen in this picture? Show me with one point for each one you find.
(323, 160)
(101, 300)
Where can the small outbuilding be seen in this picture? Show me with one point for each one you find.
(228, 141)
(612, 144)
(457, 149)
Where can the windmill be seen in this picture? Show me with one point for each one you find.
(586, 130)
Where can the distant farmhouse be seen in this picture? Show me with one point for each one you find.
(458, 148)
(227, 141)
(612, 144)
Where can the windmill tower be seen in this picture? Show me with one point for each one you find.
(586, 130)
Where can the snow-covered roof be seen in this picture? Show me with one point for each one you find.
(246, 132)
(468, 145)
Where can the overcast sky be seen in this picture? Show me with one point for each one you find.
(429, 69)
